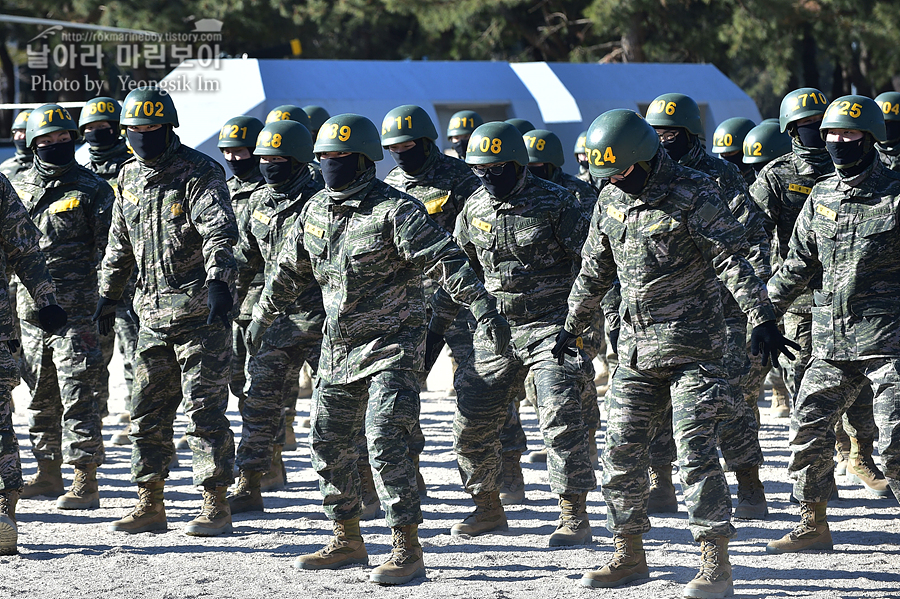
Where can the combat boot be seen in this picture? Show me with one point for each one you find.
(512, 482)
(628, 563)
(246, 496)
(861, 467)
(148, 515)
(574, 527)
(290, 437)
(276, 478)
(406, 560)
(812, 532)
(420, 480)
(487, 517)
(85, 492)
(9, 532)
(215, 515)
(781, 407)
(47, 482)
(346, 547)
(122, 438)
(751, 494)
(368, 494)
(842, 448)
(662, 491)
(713, 581)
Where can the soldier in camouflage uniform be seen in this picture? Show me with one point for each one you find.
(172, 220)
(525, 235)
(763, 144)
(368, 246)
(72, 208)
(889, 149)
(311, 120)
(728, 142)
(847, 233)
(672, 239)
(285, 148)
(584, 172)
(460, 128)
(20, 251)
(21, 161)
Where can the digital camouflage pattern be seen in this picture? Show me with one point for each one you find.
(889, 154)
(13, 167)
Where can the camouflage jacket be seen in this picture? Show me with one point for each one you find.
(316, 171)
(780, 190)
(241, 190)
(172, 220)
(669, 245)
(851, 236)
(583, 192)
(585, 175)
(107, 163)
(72, 208)
(368, 248)
(13, 167)
(889, 155)
(264, 227)
(20, 243)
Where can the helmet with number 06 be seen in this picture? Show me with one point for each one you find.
(239, 132)
(854, 112)
(496, 142)
(618, 139)
(544, 146)
(350, 133)
(99, 109)
(800, 104)
(675, 111)
(148, 106)
(463, 123)
(285, 138)
(765, 142)
(48, 119)
(288, 112)
(890, 105)
(729, 135)
(406, 123)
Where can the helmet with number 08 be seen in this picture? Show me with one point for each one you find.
(675, 111)
(463, 123)
(48, 119)
(544, 146)
(618, 139)
(800, 104)
(496, 142)
(406, 123)
(99, 109)
(285, 138)
(854, 112)
(240, 132)
(729, 135)
(148, 106)
(350, 133)
(764, 143)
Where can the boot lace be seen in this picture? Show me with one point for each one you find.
(570, 514)
(807, 522)
(400, 550)
(866, 468)
(145, 502)
(709, 562)
(747, 489)
(622, 554)
(4, 504)
(654, 478)
(210, 507)
(79, 485)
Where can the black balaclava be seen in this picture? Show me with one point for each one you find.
(341, 172)
(544, 171)
(21, 146)
(101, 138)
(584, 164)
(736, 158)
(679, 146)
(459, 146)
(412, 160)
(276, 173)
(809, 135)
(243, 167)
(149, 145)
(500, 186)
(58, 154)
(636, 179)
(893, 132)
(851, 157)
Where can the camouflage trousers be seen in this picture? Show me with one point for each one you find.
(66, 371)
(274, 382)
(486, 384)
(386, 404)
(239, 363)
(191, 362)
(797, 327)
(636, 404)
(126, 334)
(10, 464)
(828, 387)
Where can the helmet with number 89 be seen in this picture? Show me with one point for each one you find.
(48, 119)
(544, 146)
(618, 139)
(350, 133)
(463, 123)
(148, 106)
(854, 112)
(100, 109)
(496, 142)
(406, 123)
(764, 143)
(285, 138)
(240, 132)
(800, 104)
(675, 111)
(729, 135)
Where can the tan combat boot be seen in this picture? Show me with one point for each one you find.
(406, 560)
(85, 492)
(47, 482)
(9, 532)
(346, 547)
(246, 496)
(812, 532)
(751, 494)
(574, 527)
(512, 482)
(628, 563)
(713, 581)
(368, 494)
(662, 491)
(215, 515)
(122, 438)
(290, 437)
(420, 480)
(487, 517)
(148, 515)
(861, 468)
(276, 478)
(781, 407)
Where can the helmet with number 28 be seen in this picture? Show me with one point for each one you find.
(496, 142)
(285, 138)
(618, 139)
(48, 119)
(350, 133)
(148, 106)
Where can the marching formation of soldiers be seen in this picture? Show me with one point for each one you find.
(690, 275)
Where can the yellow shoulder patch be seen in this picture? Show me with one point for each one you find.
(616, 214)
(480, 224)
(64, 205)
(826, 211)
(264, 219)
(800, 188)
(437, 204)
(23, 195)
(314, 230)
(177, 210)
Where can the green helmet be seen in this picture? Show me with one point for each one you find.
(854, 112)
(800, 104)
(100, 109)
(579, 143)
(765, 142)
(317, 115)
(21, 120)
(463, 123)
(47, 119)
(618, 139)
(406, 123)
(522, 125)
(350, 133)
(729, 135)
(772, 120)
(148, 106)
(240, 132)
(285, 138)
(496, 142)
(675, 110)
(287, 112)
(544, 146)
(890, 105)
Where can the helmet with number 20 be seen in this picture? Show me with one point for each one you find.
(350, 133)
(618, 139)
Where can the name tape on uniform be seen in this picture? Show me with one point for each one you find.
(480, 224)
(130, 196)
(263, 218)
(826, 211)
(314, 230)
(437, 204)
(64, 205)
(616, 214)
(800, 188)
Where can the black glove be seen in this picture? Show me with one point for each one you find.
(614, 340)
(434, 343)
(565, 344)
(52, 318)
(766, 338)
(219, 301)
(105, 315)
(253, 337)
(13, 345)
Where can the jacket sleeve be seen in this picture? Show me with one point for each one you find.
(209, 209)
(598, 271)
(288, 280)
(100, 217)
(800, 265)
(118, 261)
(247, 255)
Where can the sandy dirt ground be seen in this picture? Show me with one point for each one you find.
(71, 554)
